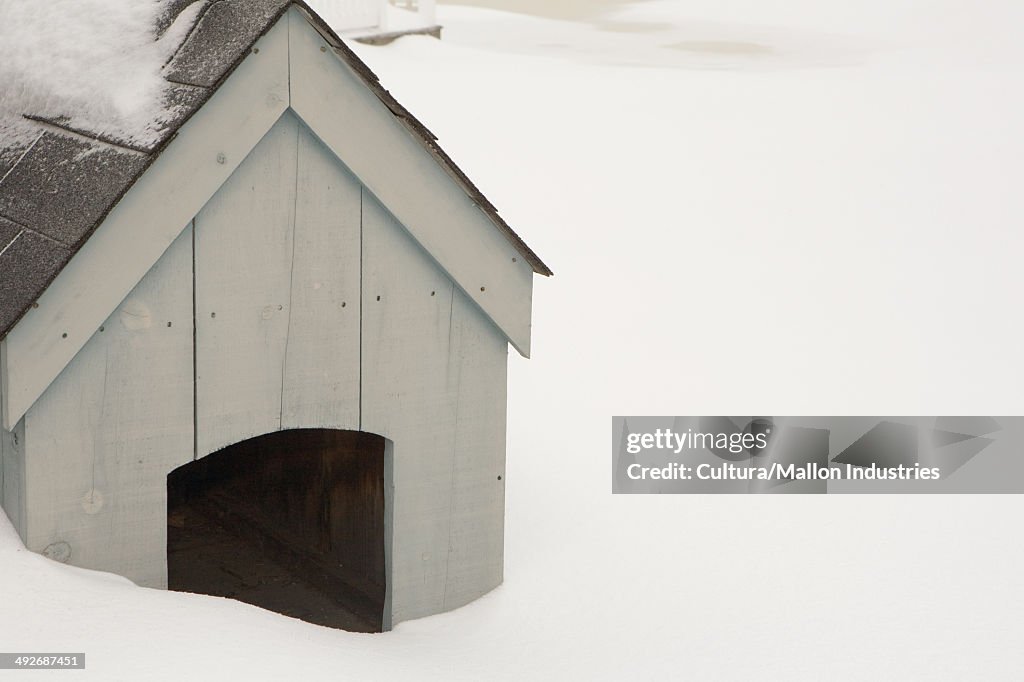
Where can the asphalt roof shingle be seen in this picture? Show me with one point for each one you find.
(26, 261)
(62, 186)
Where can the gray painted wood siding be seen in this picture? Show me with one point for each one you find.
(110, 428)
(427, 353)
(313, 307)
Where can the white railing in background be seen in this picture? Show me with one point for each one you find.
(377, 15)
(426, 10)
(348, 15)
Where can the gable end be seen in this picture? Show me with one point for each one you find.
(78, 278)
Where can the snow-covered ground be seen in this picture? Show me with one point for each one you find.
(759, 206)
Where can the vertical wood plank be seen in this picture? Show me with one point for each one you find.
(243, 271)
(321, 378)
(409, 396)
(103, 436)
(476, 540)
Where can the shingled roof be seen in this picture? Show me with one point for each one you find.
(58, 184)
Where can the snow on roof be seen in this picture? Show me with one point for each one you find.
(92, 63)
(90, 93)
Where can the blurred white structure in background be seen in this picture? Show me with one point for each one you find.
(379, 20)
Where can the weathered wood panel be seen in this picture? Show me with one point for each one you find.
(409, 396)
(146, 221)
(408, 180)
(243, 273)
(434, 380)
(477, 536)
(103, 436)
(321, 378)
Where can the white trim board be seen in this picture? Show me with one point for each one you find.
(351, 121)
(407, 179)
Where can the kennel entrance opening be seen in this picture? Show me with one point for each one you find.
(292, 521)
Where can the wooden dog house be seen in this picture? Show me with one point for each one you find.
(291, 314)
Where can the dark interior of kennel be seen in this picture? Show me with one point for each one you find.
(291, 521)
